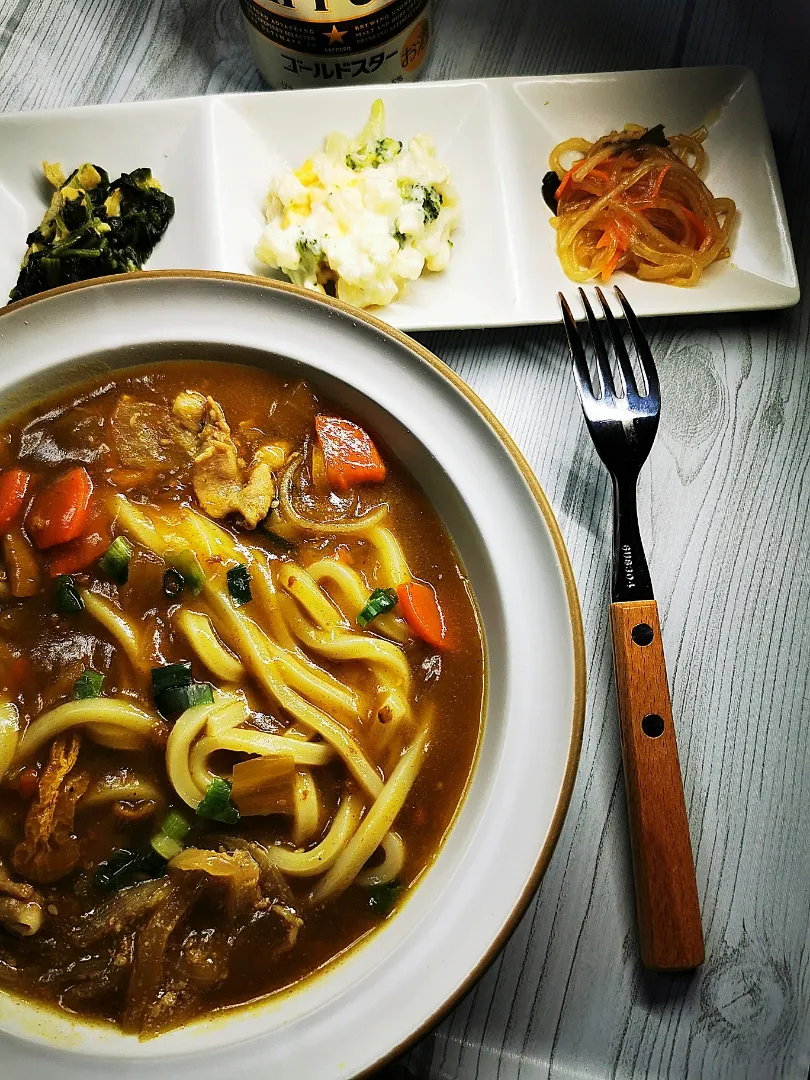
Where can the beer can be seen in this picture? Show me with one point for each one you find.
(306, 43)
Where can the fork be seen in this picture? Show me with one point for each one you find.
(623, 421)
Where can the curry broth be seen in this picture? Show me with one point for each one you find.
(42, 653)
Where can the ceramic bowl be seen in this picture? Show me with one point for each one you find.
(392, 986)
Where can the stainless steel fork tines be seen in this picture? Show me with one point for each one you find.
(622, 416)
(622, 424)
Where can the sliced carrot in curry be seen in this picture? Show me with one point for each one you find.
(13, 486)
(60, 511)
(423, 614)
(350, 455)
(80, 553)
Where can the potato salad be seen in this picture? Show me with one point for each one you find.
(362, 218)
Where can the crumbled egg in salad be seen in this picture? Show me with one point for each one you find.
(363, 217)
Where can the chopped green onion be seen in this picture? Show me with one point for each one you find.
(238, 578)
(115, 560)
(383, 897)
(217, 803)
(175, 825)
(177, 699)
(68, 601)
(170, 676)
(187, 564)
(88, 685)
(125, 867)
(380, 601)
(173, 583)
(168, 842)
(165, 846)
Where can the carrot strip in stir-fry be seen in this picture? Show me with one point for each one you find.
(697, 225)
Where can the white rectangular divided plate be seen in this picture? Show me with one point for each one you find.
(216, 156)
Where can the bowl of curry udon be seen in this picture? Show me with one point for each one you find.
(290, 681)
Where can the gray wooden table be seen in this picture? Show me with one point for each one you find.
(725, 514)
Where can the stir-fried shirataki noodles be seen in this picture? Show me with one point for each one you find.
(634, 200)
(242, 681)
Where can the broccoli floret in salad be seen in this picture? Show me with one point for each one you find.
(372, 147)
(308, 247)
(432, 202)
(372, 155)
(430, 197)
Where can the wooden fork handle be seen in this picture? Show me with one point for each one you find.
(664, 870)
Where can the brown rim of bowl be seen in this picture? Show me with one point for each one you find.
(575, 614)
